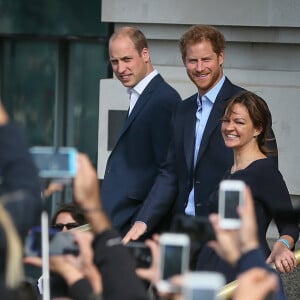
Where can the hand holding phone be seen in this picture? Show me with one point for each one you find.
(174, 259)
(231, 195)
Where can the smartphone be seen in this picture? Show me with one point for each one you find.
(231, 195)
(33, 241)
(63, 243)
(202, 285)
(60, 243)
(54, 162)
(141, 254)
(174, 259)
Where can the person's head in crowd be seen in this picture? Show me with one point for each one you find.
(67, 217)
(248, 116)
(129, 56)
(202, 51)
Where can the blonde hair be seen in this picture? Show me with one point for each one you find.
(14, 271)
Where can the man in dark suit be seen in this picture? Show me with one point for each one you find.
(197, 158)
(142, 145)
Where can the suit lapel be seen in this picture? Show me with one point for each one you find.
(140, 104)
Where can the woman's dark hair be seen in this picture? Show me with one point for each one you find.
(75, 212)
(260, 116)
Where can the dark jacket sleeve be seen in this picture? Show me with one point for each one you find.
(18, 173)
(117, 268)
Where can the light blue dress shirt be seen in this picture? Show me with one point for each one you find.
(205, 105)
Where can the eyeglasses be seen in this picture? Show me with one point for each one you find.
(60, 226)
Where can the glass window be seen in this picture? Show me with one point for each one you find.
(29, 86)
(52, 17)
(88, 64)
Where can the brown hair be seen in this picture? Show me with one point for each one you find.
(137, 37)
(199, 33)
(73, 210)
(259, 113)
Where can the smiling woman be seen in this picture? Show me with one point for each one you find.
(245, 126)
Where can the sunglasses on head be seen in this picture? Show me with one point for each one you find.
(60, 226)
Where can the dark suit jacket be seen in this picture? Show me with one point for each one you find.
(173, 185)
(139, 153)
(20, 189)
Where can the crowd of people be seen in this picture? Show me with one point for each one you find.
(169, 160)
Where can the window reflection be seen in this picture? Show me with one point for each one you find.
(29, 86)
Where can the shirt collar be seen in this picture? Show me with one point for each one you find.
(212, 94)
(139, 88)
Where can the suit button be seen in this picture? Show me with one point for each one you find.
(197, 181)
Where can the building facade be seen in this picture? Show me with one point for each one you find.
(262, 55)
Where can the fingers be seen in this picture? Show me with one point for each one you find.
(214, 219)
(283, 258)
(33, 260)
(129, 236)
(137, 230)
(256, 283)
(285, 265)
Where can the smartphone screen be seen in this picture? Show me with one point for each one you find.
(172, 261)
(232, 199)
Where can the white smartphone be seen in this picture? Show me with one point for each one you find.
(231, 195)
(202, 285)
(174, 259)
(55, 162)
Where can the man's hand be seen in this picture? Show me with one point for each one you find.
(137, 230)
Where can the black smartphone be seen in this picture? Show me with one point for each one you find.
(141, 254)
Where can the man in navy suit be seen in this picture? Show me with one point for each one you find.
(143, 142)
(197, 158)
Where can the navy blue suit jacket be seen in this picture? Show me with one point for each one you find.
(173, 185)
(139, 153)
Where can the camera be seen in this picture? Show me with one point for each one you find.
(199, 229)
(141, 254)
